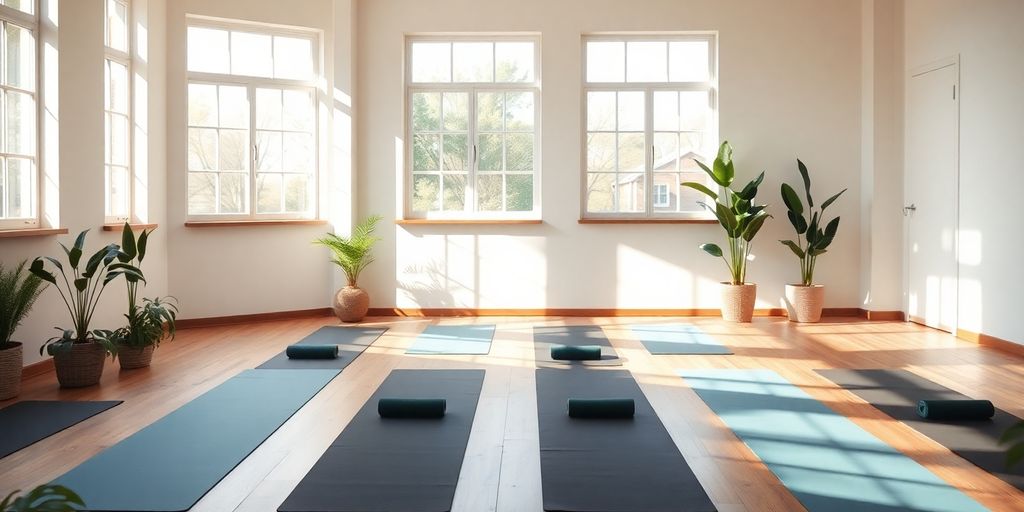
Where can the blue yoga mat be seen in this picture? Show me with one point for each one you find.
(666, 339)
(453, 339)
(169, 465)
(828, 462)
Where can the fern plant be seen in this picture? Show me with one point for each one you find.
(352, 253)
(49, 498)
(19, 290)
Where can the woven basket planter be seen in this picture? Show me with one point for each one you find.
(81, 365)
(351, 304)
(10, 371)
(805, 302)
(738, 301)
(131, 358)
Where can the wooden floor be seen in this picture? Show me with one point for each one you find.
(502, 465)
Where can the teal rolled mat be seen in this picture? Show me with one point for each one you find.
(601, 408)
(576, 353)
(411, 407)
(307, 351)
(955, 409)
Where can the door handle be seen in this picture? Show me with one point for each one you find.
(907, 210)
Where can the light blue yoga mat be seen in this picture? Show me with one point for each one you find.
(827, 461)
(453, 340)
(169, 465)
(666, 339)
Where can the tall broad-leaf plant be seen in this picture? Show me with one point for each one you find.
(735, 210)
(811, 239)
(352, 253)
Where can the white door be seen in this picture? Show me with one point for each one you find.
(930, 194)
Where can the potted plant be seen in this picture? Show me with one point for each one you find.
(806, 299)
(741, 219)
(146, 322)
(78, 353)
(18, 292)
(352, 254)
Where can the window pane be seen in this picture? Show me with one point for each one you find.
(268, 193)
(296, 193)
(632, 156)
(695, 110)
(234, 107)
(489, 152)
(646, 61)
(234, 189)
(456, 111)
(490, 111)
(631, 111)
(20, 199)
(202, 105)
(630, 192)
(606, 61)
(601, 151)
(599, 192)
(431, 62)
(488, 192)
(250, 54)
(695, 142)
(426, 152)
(297, 155)
(118, 199)
(688, 61)
(268, 109)
(208, 50)
(666, 111)
(202, 149)
(454, 192)
(118, 140)
(473, 62)
(426, 111)
(514, 62)
(519, 152)
(232, 150)
(269, 144)
(456, 152)
(298, 111)
(117, 87)
(293, 58)
(202, 193)
(519, 192)
(20, 110)
(425, 190)
(21, 5)
(519, 111)
(601, 111)
(690, 199)
(21, 58)
(666, 151)
(117, 25)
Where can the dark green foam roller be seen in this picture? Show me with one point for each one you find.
(601, 408)
(955, 409)
(576, 353)
(312, 351)
(411, 407)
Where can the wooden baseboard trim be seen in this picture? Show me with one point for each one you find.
(990, 341)
(36, 369)
(579, 312)
(187, 323)
(883, 316)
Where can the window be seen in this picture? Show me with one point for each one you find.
(252, 127)
(19, 191)
(117, 96)
(650, 111)
(473, 107)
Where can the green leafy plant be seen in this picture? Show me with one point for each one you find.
(1014, 436)
(735, 211)
(45, 498)
(352, 253)
(81, 289)
(19, 290)
(811, 240)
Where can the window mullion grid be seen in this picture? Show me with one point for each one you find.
(615, 175)
(253, 151)
(472, 200)
(648, 150)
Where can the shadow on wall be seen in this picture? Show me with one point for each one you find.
(434, 290)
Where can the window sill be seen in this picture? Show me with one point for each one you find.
(17, 233)
(455, 222)
(251, 223)
(134, 226)
(648, 221)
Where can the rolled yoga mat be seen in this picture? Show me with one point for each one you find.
(27, 422)
(955, 409)
(380, 464)
(169, 465)
(897, 392)
(576, 353)
(453, 340)
(545, 338)
(309, 351)
(411, 407)
(351, 342)
(670, 339)
(610, 466)
(828, 462)
(601, 408)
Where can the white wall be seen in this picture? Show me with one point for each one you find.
(789, 87)
(988, 37)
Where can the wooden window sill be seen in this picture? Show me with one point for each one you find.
(455, 222)
(134, 226)
(250, 223)
(17, 233)
(648, 221)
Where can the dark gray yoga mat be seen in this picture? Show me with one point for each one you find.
(30, 421)
(896, 393)
(612, 465)
(351, 342)
(169, 465)
(573, 335)
(379, 464)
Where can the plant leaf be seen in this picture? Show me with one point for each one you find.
(723, 169)
(701, 188)
(792, 200)
(831, 200)
(127, 244)
(81, 283)
(798, 221)
(712, 249)
(754, 226)
(143, 239)
(794, 247)
(750, 191)
(726, 219)
(807, 182)
(37, 270)
(831, 228)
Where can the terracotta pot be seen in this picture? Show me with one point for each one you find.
(351, 303)
(79, 366)
(805, 302)
(135, 357)
(738, 301)
(10, 370)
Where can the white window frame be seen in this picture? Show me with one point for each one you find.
(472, 89)
(648, 88)
(29, 22)
(123, 58)
(251, 83)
